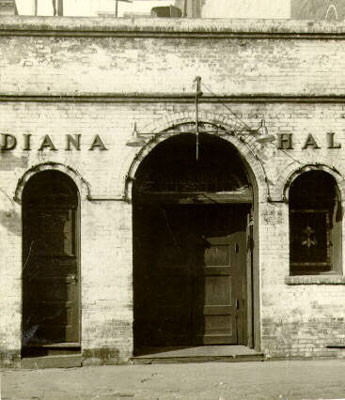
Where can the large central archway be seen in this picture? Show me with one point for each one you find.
(192, 245)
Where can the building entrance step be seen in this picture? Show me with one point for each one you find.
(57, 361)
(161, 355)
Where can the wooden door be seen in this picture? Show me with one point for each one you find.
(219, 292)
(220, 307)
(50, 266)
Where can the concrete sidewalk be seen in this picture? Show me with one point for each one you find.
(281, 380)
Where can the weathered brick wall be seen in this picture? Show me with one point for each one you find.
(157, 62)
(295, 319)
(106, 281)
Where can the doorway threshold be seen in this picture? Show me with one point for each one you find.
(223, 353)
(52, 355)
(55, 361)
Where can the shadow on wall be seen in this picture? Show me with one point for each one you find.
(11, 221)
(9, 218)
(9, 161)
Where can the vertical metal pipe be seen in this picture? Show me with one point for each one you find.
(35, 7)
(197, 94)
(116, 8)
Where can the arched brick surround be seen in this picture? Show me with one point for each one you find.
(280, 192)
(249, 150)
(82, 185)
(243, 141)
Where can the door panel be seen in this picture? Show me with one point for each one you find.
(217, 290)
(218, 254)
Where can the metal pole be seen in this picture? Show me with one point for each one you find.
(197, 94)
(35, 7)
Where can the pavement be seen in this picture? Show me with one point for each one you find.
(279, 380)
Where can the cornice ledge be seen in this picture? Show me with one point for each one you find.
(96, 26)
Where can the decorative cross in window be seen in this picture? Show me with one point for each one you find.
(310, 237)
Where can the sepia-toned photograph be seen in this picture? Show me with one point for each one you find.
(172, 194)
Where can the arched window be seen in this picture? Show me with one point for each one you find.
(315, 224)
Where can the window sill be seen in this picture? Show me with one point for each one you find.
(315, 280)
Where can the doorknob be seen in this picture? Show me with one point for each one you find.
(72, 279)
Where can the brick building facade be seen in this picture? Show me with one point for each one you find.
(88, 207)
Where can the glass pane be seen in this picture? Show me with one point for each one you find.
(309, 237)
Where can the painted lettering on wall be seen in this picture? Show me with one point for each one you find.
(46, 143)
(286, 142)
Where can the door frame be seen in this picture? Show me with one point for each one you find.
(221, 199)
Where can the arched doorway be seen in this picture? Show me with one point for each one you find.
(50, 262)
(192, 245)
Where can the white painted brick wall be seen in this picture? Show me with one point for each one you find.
(296, 320)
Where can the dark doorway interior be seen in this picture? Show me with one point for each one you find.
(50, 264)
(190, 276)
(191, 261)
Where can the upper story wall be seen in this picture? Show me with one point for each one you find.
(85, 8)
(268, 9)
(74, 56)
(294, 9)
(246, 9)
(318, 9)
